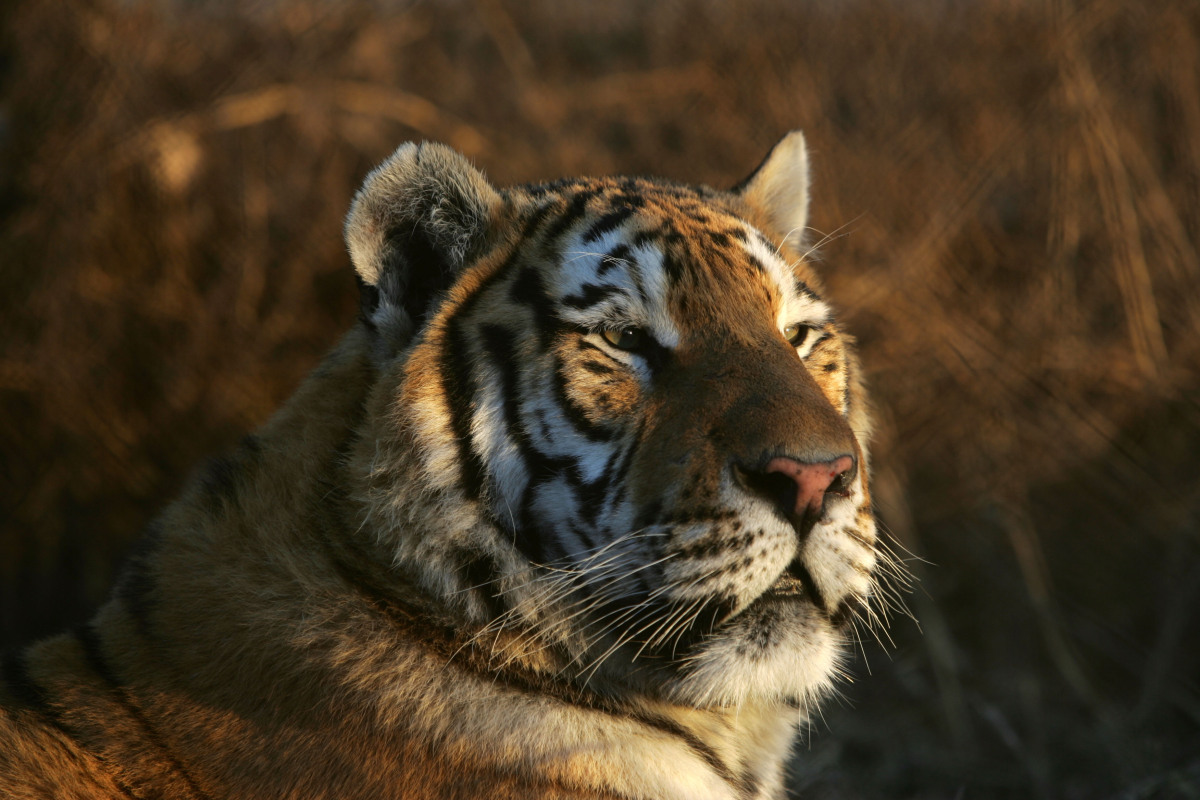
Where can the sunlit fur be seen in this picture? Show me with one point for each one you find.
(515, 537)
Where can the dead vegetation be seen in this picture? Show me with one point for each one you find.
(1008, 196)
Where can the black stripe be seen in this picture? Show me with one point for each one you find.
(22, 686)
(574, 414)
(591, 295)
(528, 290)
(32, 697)
(136, 586)
(535, 219)
(649, 515)
(756, 262)
(591, 496)
(574, 211)
(499, 348)
(541, 468)
(458, 384)
(671, 266)
(763, 240)
(619, 254)
(644, 237)
(629, 193)
(804, 290)
(706, 753)
(93, 653)
(583, 534)
(719, 238)
(748, 783)
(458, 379)
(90, 642)
(584, 344)
(618, 473)
(549, 187)
(596, 368)
(481, 575)
(609, 222)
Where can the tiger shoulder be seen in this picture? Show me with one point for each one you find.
(577, 508)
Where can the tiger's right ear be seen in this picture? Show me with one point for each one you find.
(418, 219)
(779, 188)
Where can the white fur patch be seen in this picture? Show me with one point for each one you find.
(640, 280)
(797, 308)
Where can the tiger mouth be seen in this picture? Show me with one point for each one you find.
(795, 584)
(795, 581)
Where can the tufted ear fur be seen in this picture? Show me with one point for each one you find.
(779, 188)
(419, 217)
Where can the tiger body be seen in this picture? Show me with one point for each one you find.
(579, 508)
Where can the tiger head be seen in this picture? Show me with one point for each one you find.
(617, 426)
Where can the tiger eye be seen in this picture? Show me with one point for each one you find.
(795, 334)
(628, 338)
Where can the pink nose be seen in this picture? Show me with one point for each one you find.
(812, 480)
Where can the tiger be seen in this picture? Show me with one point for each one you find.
(577, 508)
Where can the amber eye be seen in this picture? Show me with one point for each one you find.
(796, 334)
(628, 338)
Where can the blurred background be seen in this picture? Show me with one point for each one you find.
(1007, 196)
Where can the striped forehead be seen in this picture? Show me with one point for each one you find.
(613, 280)
(799, 302)
(619, 265)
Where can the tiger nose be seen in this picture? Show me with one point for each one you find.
(812, 481)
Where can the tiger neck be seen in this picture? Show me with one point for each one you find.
(517, 710)
(651, 747)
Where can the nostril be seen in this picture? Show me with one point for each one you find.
(841, 484)
(809, 481)
(780, 489)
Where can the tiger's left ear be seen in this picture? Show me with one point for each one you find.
(779, 188)
(418, 220)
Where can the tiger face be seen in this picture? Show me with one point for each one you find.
(619, 430)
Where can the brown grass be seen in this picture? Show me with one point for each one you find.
(1010, 196)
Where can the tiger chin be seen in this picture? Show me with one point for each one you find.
(578, 508)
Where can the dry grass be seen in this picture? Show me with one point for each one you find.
(1011, 196)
